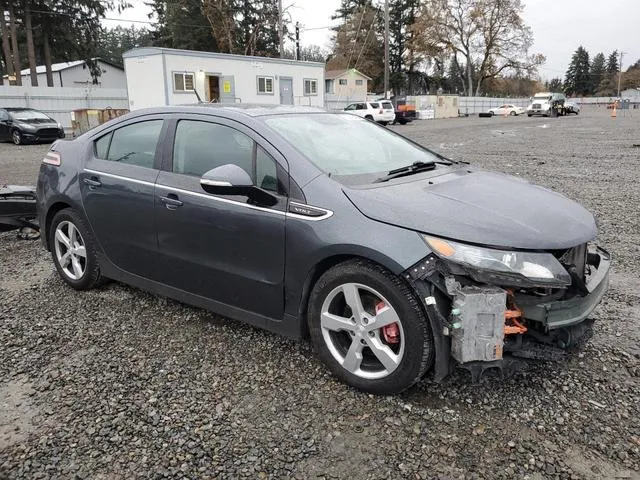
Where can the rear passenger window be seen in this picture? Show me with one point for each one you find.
(134, 144)
(374, 105)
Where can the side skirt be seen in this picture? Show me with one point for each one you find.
(288, 326)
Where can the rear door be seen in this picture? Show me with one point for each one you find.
(117, 187)
(222, 248)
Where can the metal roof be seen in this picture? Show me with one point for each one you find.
(148, 51)
(57, 67)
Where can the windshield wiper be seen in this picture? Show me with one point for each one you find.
(415, 167)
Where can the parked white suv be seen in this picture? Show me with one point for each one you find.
(381, 111)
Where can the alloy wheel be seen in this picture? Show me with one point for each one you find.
(16, 137)
(362, 331)
(70, 249)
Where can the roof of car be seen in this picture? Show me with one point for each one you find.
(249, 109)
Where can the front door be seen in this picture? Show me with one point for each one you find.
(221, 247)
(117, 188)
(286, 90)
(212, 88)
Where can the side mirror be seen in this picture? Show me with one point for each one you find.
(230, 179)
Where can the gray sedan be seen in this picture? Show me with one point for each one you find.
(391, 259)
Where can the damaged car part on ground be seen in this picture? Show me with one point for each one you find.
(18, 211)
(389, 257)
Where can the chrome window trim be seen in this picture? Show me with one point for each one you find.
(328, 213)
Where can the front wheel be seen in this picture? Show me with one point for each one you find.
(369, 117)
(513, 113)
(367, 327)
(16, 137)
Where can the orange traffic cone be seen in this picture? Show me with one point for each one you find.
(614, 113)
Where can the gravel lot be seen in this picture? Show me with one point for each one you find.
(117, 383)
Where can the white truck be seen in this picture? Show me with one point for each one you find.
(548, 104)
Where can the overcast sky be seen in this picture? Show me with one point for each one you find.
(559, 26)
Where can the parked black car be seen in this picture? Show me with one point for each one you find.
(391, 258)
(23, 125)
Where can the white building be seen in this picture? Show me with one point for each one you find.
(342, 87)
(631, 94)
(164, 76)
(77, 74)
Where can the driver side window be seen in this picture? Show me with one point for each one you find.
(201, 146)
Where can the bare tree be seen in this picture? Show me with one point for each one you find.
(6, 45)
(489, 34)
(14, 45)
(31, 52)
(46, 50)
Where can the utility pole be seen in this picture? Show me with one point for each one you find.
(620, 74)
(297, 40)
(280, 29)
(386, 47)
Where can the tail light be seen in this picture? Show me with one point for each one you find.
(52, 158)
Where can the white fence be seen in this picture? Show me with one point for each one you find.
(59, 102)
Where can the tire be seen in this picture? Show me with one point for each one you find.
(491, 114)
(384, 123)
(384, 297)
(88, 274)
(402, 121)
(368, 117)
(512, 113)
(529, 115)
(16, 137)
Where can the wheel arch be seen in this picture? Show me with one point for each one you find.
(51, 212)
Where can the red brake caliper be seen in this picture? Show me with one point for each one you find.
(391, 332)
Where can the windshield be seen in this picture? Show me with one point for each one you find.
(28, 115)
(345, 146)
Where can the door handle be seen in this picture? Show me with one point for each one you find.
(93, 182)
(171, 201)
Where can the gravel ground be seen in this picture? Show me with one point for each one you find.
(118, 383)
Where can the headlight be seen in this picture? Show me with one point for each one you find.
(26, 126)
(541, 269)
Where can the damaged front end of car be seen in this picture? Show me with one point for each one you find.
(489, 308)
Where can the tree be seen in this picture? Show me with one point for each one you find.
(609, 84)
(311, 53)
(15, 49)
(578, 78)
(182, 24)
(554, 85)
(356, 44)
(489, 34)
(597, 71)
(404, 59)
(631, 78)
(31, 51)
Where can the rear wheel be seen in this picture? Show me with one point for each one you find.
(366, 325)
(369, 117)
(16, 137)
(513, 113)
(384, 123)
(73, 250)
(402, 121)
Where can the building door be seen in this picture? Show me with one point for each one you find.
(286, 90)
(212, 88)
(228, 90)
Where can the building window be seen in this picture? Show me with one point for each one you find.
(265, 85)
(310, 86)
(329, 86)
(342, 81)
(359, 83)
(183, 82)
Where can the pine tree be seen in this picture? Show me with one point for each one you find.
(578, 78)
(597, 71)
(608, 85)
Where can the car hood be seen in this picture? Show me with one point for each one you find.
(40, 122)
(478, 207)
